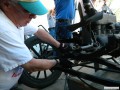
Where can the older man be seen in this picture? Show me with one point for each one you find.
(15, 16)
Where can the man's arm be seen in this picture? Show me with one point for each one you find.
(45, 36)
(43, 64)
(39, 64)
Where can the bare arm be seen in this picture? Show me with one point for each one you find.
(39, 64)
(45, 36)
(42, 64)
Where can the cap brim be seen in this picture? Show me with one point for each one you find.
(36, 7)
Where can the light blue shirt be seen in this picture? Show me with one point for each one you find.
(51, 20)
(65, 9)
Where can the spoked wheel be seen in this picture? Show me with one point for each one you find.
(39, 79)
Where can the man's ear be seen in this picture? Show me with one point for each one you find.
(6, 5)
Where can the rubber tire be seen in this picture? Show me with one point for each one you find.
(33, 82)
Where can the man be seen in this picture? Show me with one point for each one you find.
(65, 13)
(15, 16)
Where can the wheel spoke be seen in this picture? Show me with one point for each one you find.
(43, 49)
(45, 74)
(35, 52)
(46, 48)
(38, 74)
(40, 48)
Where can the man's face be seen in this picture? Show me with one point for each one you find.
(25, 16)
(20, 16)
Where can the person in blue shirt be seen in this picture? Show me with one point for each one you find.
(65, 13)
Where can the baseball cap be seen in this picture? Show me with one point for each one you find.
(33, 6)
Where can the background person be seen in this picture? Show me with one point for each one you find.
(51, 22)
(65, 13)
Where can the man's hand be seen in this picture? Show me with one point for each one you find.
(64, 48)
(64, 63)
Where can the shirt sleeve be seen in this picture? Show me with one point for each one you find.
(13, 51)
(30, 29)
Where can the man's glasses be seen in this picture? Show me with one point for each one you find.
(21, 10)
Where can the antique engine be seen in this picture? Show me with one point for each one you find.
(105, 25)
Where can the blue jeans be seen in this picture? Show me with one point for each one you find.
(52, 33)
(61, 31)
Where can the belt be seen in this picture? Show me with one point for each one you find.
(62, 20)
(51, 28)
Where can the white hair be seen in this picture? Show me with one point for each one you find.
(9, 1)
